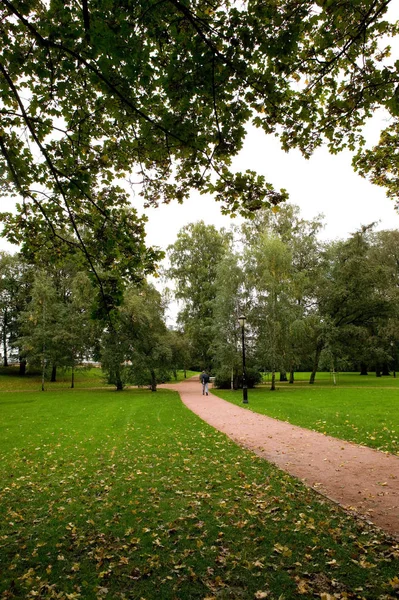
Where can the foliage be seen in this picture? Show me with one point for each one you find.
(229, 304)
(194, 259)
(15, 283)
(56, 326)
(354, 298)
(40, 341)
(104, 492)
(137, 349)
(223, 378)
(180, 348)
(162, 94)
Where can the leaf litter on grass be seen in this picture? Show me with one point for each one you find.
(137, 498)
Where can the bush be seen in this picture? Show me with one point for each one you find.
(223, 379)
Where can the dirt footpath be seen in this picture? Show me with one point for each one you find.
(362, 480)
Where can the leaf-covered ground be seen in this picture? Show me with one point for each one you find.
(130, 495)
(365, 415)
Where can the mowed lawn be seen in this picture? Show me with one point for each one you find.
(364, 410)
(118, 495)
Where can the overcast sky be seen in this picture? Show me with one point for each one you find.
(323, 184)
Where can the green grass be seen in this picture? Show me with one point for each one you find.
(324, 379)
(130, 495)
(366, 414)
(10, 380)
(180, 376)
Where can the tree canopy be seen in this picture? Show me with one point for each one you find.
(160, 93)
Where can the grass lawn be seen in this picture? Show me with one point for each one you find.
(358, 409)
(10, 380)
(130, 495)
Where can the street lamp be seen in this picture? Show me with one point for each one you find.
(241, 321)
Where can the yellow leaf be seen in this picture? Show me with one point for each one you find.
(302, 587)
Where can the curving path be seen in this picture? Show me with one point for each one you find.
(360, 479)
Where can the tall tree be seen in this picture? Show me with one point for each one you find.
(138, 349)
(269, 268)
(143, 313)
(15, 285)
(300, 237)
(231, 302)
(352, 294)
(39, 325)
(194, 259)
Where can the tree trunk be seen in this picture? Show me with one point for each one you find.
(273, 385)
(292, 375)
(283, 376)
(378, 372)
(53, 373)
(73, 378)
(363, 369)
(385, 370)
(22, 367)
(153, 381)
(319, 348)
(175, 374)
(117, 379)
(43, 371)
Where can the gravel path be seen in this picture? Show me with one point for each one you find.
(362, 480)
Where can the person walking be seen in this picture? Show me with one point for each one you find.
(204, 379)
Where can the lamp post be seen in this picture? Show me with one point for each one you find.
(241, 321)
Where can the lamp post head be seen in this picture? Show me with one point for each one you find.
(242, 320)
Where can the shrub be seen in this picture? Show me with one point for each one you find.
(223, 378)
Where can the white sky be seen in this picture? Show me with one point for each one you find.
(323, 184)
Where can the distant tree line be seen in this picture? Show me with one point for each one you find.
(52, 317)
(309, 305)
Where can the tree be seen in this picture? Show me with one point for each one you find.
(352, 297)
(92, 91)
(230, 302)
(194, 259)
(269, 268)
(15, 285)
(137, 349)
(300, 238)
(180, 348)
(39, 325)
(79, 330)
(151, 353)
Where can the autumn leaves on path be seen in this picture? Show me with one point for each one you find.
(360, 479)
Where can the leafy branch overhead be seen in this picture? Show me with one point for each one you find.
(161, 93)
